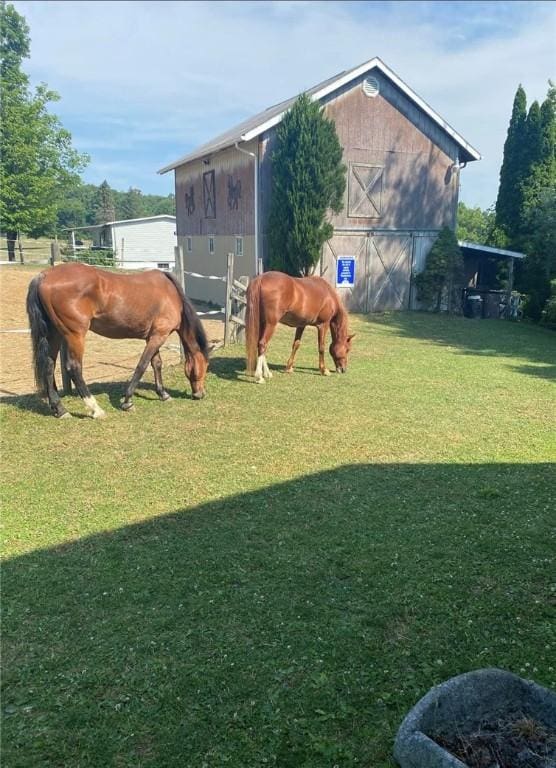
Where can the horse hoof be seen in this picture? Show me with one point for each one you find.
(325, 372)
(288, 370)
(126, 406)
(64, 415)
(165, 397)
(100, 414)
(268, 375)
(259, 381)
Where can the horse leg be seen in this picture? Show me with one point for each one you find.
(295, 347)
(76, 345)
(156, 363)
(54, 342)
(262, 370)
(153, 345)
(322, 331)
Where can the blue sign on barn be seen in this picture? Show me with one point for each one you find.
(345, 272)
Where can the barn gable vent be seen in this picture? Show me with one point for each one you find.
(371, 87)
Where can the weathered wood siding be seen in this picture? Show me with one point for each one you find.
(398, 161)
(230, 210)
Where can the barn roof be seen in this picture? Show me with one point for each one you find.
(270, 117)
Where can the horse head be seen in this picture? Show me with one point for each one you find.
(339, 351)
(196, 367)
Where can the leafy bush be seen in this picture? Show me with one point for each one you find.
(548, 315)
(99, 258)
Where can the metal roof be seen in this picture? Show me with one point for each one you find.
(270, 117)
(487, 250)
(121, 221)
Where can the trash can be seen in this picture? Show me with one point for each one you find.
(473, 307)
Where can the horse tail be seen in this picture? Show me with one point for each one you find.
(189, 317)
(253, 323)
(41, 328)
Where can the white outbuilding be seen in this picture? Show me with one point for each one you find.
(136, 243)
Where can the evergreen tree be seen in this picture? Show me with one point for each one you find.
(509, 201)
(308, 179)
(105, 209)
(442, 277)
(37, 160)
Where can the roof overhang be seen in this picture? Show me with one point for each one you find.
(469, 152)
(476, 249)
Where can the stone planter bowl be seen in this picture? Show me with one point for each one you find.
(467, 700)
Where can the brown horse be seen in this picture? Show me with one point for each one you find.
(65, 302)
(275, 297)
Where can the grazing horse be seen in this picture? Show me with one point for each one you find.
(65, 302)
(275, 297)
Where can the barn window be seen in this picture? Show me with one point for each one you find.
(239, 246)
(211, 243)
(189, 244)
(371, 87)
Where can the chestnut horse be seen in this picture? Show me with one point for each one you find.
(65, 302)
(275, 297)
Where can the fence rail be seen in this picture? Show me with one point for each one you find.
(234, 309)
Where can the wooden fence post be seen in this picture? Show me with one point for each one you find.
(241, 312)
(179, 273)
(54, 252)
(20, 246)
(228, 307)
(66, 378)
(260, 269)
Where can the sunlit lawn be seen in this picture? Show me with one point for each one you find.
(274, 575)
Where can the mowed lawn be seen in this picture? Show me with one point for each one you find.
(275, 575)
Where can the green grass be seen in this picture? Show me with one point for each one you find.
(275, 575)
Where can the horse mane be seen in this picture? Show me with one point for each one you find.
(339, 323)
(190, 316)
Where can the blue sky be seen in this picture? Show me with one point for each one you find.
(143, 83)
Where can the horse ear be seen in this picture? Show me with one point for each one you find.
(353, 335)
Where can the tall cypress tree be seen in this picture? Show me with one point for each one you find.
(308, 178)
(508, 203)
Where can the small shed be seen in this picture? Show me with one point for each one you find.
(136, 243)
(481, 265)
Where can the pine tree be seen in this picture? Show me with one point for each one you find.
(105, 209)
(308, 179)
(509, 201)
(131, 204)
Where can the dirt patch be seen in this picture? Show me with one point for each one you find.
(515, 742)
(104, 360)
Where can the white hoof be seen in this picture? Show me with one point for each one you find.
(259, 380)
(326, 372)
(66, 415)
(99, 414)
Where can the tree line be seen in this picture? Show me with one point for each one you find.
(523, 218)
(87, 204)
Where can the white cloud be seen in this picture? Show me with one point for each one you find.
(174, 74)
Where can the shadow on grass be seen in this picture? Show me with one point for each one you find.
(290, 626)
(480, 337)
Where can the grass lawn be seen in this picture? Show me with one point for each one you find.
(273, 576)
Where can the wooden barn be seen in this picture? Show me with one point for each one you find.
(403, 161)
